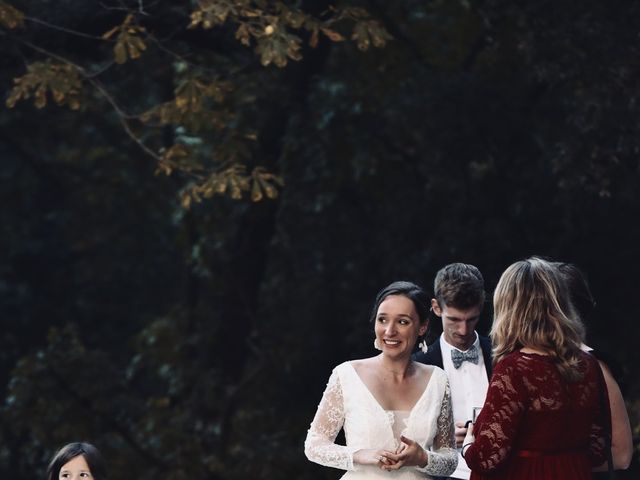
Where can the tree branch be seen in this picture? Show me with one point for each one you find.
(64, 29)
(122, 115)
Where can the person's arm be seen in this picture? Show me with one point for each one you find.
(442, 460)
(319, 446)
(621, 438)
(489, 443)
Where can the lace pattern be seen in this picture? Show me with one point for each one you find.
(443, 457)
(529, 406)
(348, 404)
(319, 446)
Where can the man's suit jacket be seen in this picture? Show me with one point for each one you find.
(434, 354)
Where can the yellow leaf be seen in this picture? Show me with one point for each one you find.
(313, 41)
(269, 189)
(242, 34)
(186, 201)
(58, 96)
(335, 36)
(196, 18)
(208, 191)
(13, 98)
(220, 185)
(133, 51)
(120, 52)
(10, 17)
(41, 97)
(256, 191)
(138, 43)
(181, 102)
(236, 191)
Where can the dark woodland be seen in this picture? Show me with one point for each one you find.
(200, 200)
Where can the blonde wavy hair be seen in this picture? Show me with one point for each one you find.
(532, 308)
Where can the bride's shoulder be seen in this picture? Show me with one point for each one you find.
(432, 371)
(360, 365)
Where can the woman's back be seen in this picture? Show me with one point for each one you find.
(537, 424)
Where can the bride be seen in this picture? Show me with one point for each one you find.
(396, 413)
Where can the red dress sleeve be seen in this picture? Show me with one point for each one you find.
(498, 422)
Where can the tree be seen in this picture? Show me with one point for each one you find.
(201, 89)
(205, 129)
(484, 132)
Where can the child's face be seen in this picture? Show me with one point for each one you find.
(75, 469)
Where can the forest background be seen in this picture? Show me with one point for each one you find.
(200, 200)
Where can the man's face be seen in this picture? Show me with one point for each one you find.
(458, 326)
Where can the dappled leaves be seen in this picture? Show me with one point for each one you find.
(10, 17)
(129, 44)
(235, 182)
(61, 81)
(264, 184)
(215, 12)
(195, 105)
(278, 46)
(369, 33)
(202, 132)
(274, 27)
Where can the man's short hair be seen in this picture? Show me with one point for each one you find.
(459, 285)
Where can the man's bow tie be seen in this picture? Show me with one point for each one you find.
(470, 355)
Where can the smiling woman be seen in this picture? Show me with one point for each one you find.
(396, 413)
(77, 461)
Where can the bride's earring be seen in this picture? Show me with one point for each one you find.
(423, 346)
(376, 344)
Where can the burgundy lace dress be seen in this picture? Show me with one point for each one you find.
(536, 426)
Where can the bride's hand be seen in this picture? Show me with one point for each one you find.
(378, 458)
(410, 454)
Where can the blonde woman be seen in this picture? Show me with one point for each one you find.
(546, 408)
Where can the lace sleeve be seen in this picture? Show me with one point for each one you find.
(497, 425)
(319, 446)
(443, 457)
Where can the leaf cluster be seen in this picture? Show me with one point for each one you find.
(10, 17)
(61, 81)
(203, 101)
(128, 45)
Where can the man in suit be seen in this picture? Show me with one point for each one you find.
(464, 355)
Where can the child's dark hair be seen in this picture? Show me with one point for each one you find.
(90, 453)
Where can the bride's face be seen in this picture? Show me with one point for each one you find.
(397, 325)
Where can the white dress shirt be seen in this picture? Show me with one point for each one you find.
(469, 385)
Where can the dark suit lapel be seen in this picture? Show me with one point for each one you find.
(485, 345)
(435, 354)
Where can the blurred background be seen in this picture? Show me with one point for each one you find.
(201, 199)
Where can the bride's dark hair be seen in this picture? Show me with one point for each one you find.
(410, 290)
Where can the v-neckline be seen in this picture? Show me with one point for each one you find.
(375, 400)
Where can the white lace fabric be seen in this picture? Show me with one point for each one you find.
(348, 404)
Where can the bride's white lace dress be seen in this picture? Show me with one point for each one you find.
(347, 403)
